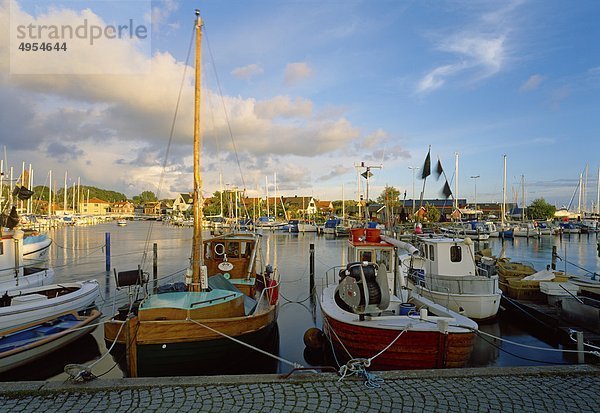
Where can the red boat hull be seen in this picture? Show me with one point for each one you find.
(413, 350)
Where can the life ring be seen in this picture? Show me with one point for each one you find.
(219, 249)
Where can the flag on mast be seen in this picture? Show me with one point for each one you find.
(427, 165)
(438, 170)
(446, 190)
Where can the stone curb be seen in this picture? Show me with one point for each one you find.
(38, 387)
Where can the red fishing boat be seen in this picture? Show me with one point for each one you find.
(369, 314)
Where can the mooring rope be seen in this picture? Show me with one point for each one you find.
(266, 353)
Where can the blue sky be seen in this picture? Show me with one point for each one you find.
(313, 87)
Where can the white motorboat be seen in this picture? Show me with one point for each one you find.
(35, 248)
(13, 273)
(20, 307)
(445, 271)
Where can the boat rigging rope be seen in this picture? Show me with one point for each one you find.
(575, 265)
(358, 366)
(596, 353)
(82, 372)
(266, 353)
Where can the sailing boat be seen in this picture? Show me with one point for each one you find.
(198, 330)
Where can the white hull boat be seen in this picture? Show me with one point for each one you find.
(445, 271)
(14, 274)
(26, 306)
(36, 248)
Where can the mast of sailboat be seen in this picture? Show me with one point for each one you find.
(523, 197)
(1, 184)
(456, 181)
(267, 194)
(50, 193)
(343, 206)
(598, 194)
(580, 190)
(503, 212)
(585, 185)
(65, 196)
(197, 238)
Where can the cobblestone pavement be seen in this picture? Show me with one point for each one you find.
(527, 389)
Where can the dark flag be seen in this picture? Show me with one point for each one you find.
(438, 170)
(446, 191)
(22, 193)
(427, 166)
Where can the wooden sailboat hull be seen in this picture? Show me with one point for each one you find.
(178, 347)
(413, 350)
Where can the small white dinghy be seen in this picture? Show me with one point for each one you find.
(20, 307)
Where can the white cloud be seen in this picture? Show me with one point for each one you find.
(283, 106)
(246, 72)
(480, 50)
(162, 11)
(295, 72)
(532, 83)
(436, 78)
(336, 171)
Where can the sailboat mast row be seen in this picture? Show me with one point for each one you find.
(197, 239)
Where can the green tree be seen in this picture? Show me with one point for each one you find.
(40, 192)
(145, 196)
(540, 209)
(390, 196)
(89, 192)
(432, 213)
(215, 207)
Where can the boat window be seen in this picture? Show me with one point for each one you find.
(384, 257)
(423, 249)
(246, 248)
(1, 248)
(455, 253)
(431, 253)
(366, 256)
(233, 250)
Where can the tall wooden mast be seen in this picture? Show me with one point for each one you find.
(197, 239)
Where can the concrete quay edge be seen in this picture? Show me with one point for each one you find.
(37, 387)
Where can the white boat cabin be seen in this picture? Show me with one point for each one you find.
(370, 248)
(447, 256)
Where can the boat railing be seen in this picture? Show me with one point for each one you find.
(462, 285)
(266, 299)
(332, 272)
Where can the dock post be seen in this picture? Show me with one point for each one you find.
(554, 255)
(155, 267)
(580, 354)
(107, 243)
(312, 269)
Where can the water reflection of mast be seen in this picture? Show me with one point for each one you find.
(274, 252)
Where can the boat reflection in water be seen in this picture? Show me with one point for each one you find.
(486, 350)
(242, 359)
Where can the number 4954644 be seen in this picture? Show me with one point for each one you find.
(43, 46)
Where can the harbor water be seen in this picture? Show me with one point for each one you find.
(80, 253)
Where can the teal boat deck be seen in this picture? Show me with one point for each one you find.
(188, 300)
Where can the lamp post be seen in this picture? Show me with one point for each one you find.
(414, 169)
(475, 180)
